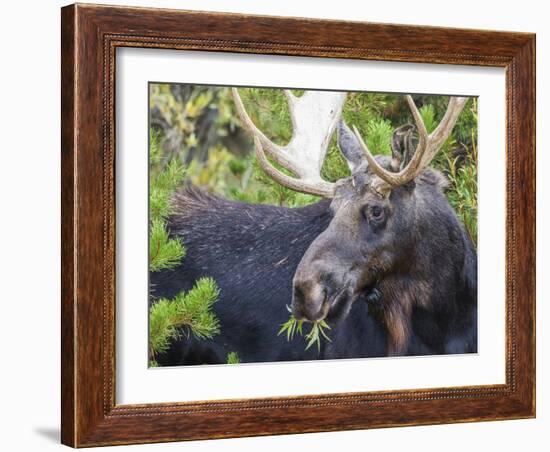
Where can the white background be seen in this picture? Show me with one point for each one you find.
(137, 384)
(30, 228)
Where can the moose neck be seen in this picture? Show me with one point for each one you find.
(433, 293)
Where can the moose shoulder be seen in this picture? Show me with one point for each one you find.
(383, 258)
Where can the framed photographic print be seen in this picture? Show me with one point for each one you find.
(282, 225)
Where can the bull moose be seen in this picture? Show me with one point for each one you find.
(382, 258)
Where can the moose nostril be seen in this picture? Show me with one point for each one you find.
(298, 300)
(298, 291)
(308, 301)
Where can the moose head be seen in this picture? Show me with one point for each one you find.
(378, 212)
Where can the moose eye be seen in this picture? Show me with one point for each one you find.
(376, 212)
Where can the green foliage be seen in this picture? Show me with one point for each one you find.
(464, 197)
(458, 161)
(269, 109)
(186, 313)
(164, 253)
(463, 179)
(293, 326)
(378, 136)
(233, 358)
(335, 166)
(314, 335)
(465, 130)
(161, 188)
(162, 183)
(427, 113)
(177, 112)
(155, 152)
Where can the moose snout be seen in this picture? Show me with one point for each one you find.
(310, 300)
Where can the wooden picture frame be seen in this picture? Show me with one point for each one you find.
(90, 36)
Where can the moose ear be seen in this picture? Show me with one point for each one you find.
(402, 148)
(350, 147)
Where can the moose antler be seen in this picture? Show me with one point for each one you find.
(427, 148)
(314, 116)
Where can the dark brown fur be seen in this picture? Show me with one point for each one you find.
(407, 245)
